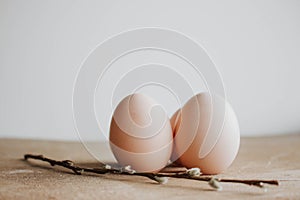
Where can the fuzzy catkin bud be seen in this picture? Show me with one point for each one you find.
(161, 180)
(194, 172)
(128, 169)
(215, 184)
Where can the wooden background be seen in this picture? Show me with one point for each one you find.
(275, 157)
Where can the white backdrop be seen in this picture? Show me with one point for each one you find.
(255, 45)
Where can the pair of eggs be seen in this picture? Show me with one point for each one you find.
(204, 133)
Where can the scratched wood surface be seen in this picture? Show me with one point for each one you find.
(275, 157)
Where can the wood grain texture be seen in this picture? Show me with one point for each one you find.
(275, 157)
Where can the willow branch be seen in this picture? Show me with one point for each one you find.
(158, 177)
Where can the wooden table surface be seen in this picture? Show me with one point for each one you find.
(276, 157)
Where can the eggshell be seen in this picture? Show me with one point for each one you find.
(175, 123)
(141, 134)
(206, 134)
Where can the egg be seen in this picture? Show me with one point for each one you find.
(174, 125)
(141, 134)
(206, 134)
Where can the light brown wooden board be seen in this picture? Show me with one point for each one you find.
(275, 157)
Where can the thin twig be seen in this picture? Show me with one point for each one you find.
(158, 177)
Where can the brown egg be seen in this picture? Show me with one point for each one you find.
(175, 123)
(141, 134)
(206, 134)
